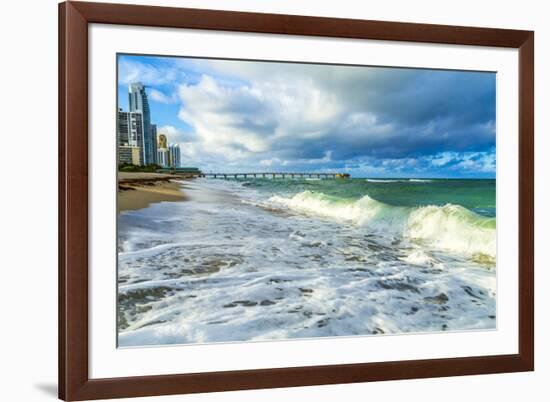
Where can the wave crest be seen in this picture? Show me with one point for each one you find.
(399, 180)
(449, 227)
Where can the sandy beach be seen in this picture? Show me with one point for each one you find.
(139, 190)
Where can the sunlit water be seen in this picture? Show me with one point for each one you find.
(277, 259)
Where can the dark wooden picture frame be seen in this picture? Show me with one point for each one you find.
(74, 381)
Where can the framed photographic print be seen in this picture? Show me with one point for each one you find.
(259, 200)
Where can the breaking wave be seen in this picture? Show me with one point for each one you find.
(449, 227)
(399, 180)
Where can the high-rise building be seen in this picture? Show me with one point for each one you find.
(138, 103)
(129, 155)
(163, 154)
(163, 157)
(122, 128)
(130, 137)
(130, 128)
(162, 141)
(154, 140)
(175, 155)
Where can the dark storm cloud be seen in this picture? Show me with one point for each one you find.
(321, 117)
(428, 111)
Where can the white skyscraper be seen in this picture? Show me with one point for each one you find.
(130, 137)
(163, 153)
(175, 155)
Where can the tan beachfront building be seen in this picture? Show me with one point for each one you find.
(129, 154)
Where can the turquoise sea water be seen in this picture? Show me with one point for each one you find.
(475, 195)
(265, 259)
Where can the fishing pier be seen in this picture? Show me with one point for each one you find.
(275, 175)
(195, 172)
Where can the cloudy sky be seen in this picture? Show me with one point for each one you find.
(237, 116)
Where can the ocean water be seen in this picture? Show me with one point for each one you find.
(265, 259)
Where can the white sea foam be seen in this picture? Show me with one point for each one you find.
(383, 180)
(454, 228)
(450, 227)
(399, 180)
(216, 269)
(418, 257)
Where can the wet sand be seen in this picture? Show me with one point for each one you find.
(139, 190)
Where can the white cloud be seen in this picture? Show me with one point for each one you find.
(443, 158)
(133, 71)
(271, 162)
(223, 115)
(176, 135)
(478, 162)
(160, 97)
(484, 162)
(260, 116)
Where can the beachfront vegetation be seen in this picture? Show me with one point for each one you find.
(128, 167)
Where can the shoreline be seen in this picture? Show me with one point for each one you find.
(140, 190)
